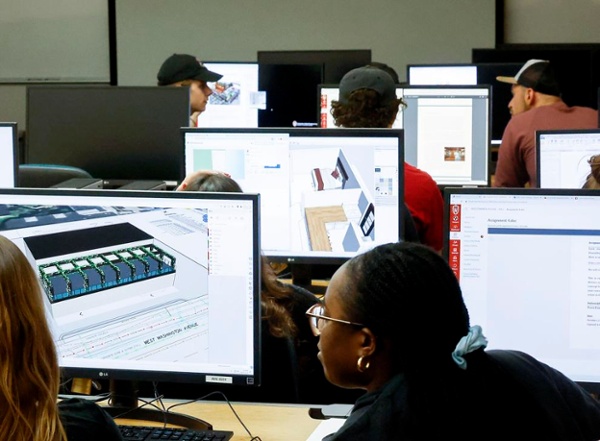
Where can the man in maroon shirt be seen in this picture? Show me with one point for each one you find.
(536, 105)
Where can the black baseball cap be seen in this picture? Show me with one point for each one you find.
(368, 77)
(537, 75)
(179, 67)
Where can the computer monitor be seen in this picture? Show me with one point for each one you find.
(441, 74)
(335, 62)
(291, 94)
(447, 132)
(236, 98)
(9, 152)
(321, 190)
(112, 132)
(145, 285)
(562, 156)
(331, 92)
(471, 74)
(527, 261)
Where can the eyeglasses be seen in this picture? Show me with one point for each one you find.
(317, 319)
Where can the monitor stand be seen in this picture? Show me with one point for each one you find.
(124, 404)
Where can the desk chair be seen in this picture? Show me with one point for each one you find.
(47, 175)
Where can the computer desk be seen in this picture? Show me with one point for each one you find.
(271, 422)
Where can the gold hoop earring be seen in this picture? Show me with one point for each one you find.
(359, 364)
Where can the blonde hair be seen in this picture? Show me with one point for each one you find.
(29, 372)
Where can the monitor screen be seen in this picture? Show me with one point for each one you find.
(441, 74)
(236, 97)
(9, 152)
(112, 132)
(291, 94)
(528, 264)
(563, 155)
(321, 190)
(146, 285)
(331, 92)
(335, 63)
(446, 132)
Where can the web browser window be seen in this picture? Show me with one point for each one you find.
(528, 262)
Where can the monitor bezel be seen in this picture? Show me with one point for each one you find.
(208, 64)
(319, 132)
(591, 387)
(168, 376)
(15, 150)
(538, 151)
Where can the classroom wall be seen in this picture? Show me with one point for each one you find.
(398, 32)
(551, 21)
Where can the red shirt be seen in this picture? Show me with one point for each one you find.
(424, 199)
(517, 157)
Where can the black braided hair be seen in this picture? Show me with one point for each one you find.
(407, 292)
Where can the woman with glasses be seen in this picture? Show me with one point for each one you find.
(393, 322)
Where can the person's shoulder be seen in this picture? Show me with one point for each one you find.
(522, 362)
(86, 420)
(412, 172)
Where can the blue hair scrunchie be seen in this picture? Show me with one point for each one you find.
(469, 343)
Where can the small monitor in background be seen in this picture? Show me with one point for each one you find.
(291, 91)
(335, 63)
(330, 92)
(9, 152)
(441, 74)
(236, 98)
(145, 285)
(563, 156)
(326, 195)
(527, 262)
(112, 132)
(447, 132)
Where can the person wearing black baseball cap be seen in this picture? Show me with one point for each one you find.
(368, 100)
(184, 70)
(536, 104)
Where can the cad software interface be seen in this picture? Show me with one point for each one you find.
(235, 99)
(562, 157)
(446, 132)
(143, 283)
(7, 153)
(320, 195)
(528, 262)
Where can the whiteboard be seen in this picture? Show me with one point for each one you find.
(54, 41)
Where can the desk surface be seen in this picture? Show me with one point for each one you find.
(269, 422)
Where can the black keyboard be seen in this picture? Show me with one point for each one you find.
(147, 433)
